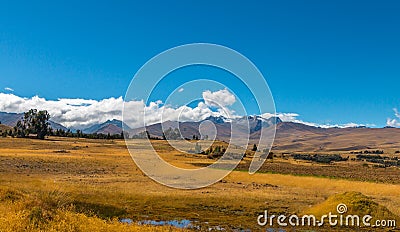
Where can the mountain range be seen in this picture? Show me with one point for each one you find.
(289, 135)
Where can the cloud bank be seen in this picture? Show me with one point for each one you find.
(292, 117)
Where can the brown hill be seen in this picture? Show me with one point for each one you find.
(4, 128)
(110, 129)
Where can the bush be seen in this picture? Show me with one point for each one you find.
(319, 158)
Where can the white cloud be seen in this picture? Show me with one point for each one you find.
(9, 89)
(155, 112)
(394, 122)
(286, 117)
(220, 98)
(292, 117)
(181, 90)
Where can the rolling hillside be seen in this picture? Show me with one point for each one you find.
(292, 136)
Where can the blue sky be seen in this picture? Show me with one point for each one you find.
(331, 62)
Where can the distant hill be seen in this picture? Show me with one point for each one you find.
(111, 126)
(57, 126)
(10, 119)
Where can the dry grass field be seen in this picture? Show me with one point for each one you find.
(70, 184)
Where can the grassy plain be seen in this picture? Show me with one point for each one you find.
(70, 184)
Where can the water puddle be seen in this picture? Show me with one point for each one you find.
(182, 224)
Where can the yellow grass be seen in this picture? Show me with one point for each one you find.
(101, 183)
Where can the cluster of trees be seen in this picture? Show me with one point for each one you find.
(142, 135)
(368, 152)
(172, 134)
(320, 158)
(215, 152)
(80, 134)
(36, 124)
(169, 134)
(218, 151)
(384, 160)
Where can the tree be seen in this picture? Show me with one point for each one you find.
(79, 133)
(197, 148)
(34, 122)
(172, 134)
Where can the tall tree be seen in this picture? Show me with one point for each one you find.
(254, 147)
